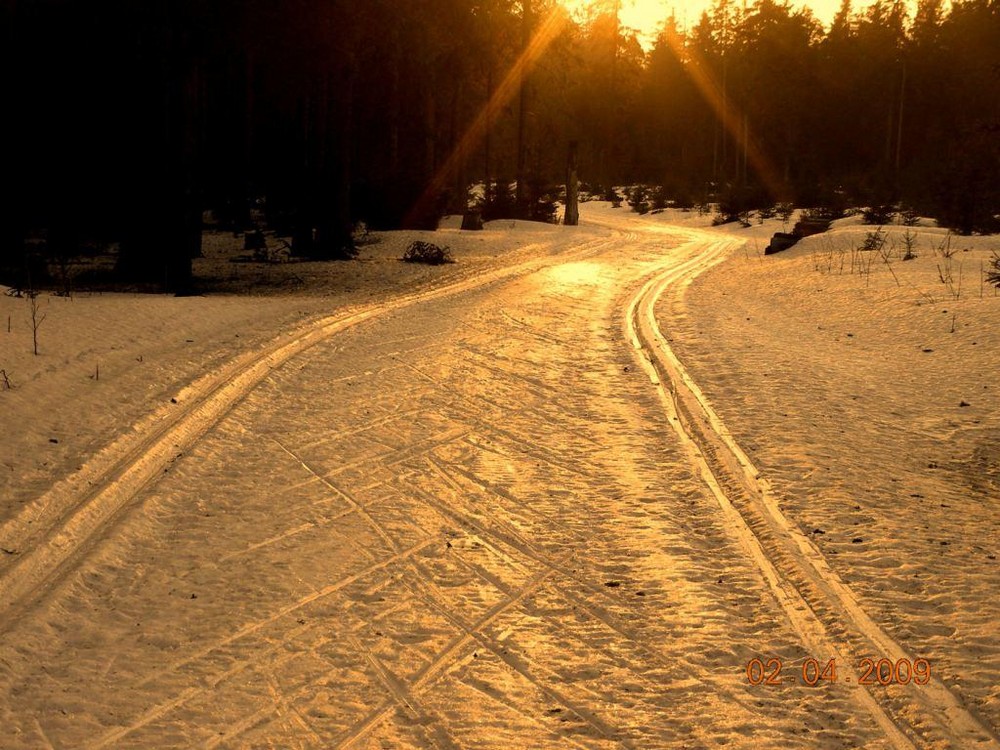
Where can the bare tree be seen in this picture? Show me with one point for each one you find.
(37, 316)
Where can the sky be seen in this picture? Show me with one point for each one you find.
(647, 15)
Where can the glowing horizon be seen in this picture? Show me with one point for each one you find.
(647, 16)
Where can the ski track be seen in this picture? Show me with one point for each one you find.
(57, 527)
(798, 574)
(501, 553)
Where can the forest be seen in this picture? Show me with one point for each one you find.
(127, 123)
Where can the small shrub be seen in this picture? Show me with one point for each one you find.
(427, 252)
(879, 215)
(659, 199)
(909, 217)
(544, 209)
(543, 201)
(363, 235)
(256, 242)
(993, 274)
(945, 248)
(827, 203)
(909, 243)
(637, 199)
(784, 211)
(737, 202)
(821, 213)
(684, 200)
(731, 205)
(874, 241)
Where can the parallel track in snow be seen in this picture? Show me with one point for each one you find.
(823, 611)
(814, 598)
(56, 529)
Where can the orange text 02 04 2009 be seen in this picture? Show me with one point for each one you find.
(812, 672)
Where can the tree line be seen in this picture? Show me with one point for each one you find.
(125, 121)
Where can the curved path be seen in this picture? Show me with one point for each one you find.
(820, 606)
(460, 519)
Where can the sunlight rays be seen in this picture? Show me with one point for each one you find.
(549, 28)
(733, 120)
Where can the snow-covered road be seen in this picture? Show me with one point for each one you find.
(469, 518)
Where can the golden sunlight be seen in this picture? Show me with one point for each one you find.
(647, 16)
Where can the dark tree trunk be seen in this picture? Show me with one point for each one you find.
(244, 196)
(460, 191)
(487, 141)
(11, 174)
(334, 226)
(323, 212)
(520, 195)
(427, 187)
(302, 229)
(572, 217)
(393, 103)
(164, 232)
(430, 131)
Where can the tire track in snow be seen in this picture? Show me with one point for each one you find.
(796, 571)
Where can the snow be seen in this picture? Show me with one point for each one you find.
(463, 516)
(870, 401)
(107, 360)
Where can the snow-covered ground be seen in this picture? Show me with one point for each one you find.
(391, 505)
(870, 399)
(107, 360)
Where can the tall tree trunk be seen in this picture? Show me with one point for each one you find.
(304, 178)
(323, 213)
(725, 113)
(430, 130)
(572, 217)
(12, 212)
(394, 105)
(425, 189)
(244, 195)
(520, 196)
(460, 192)
(716, 127)
(899, 126)
(608, 151)
(746, 146)
(164, 233)
(333, 222)
(487, 140)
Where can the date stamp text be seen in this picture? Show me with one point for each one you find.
(812, 672)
